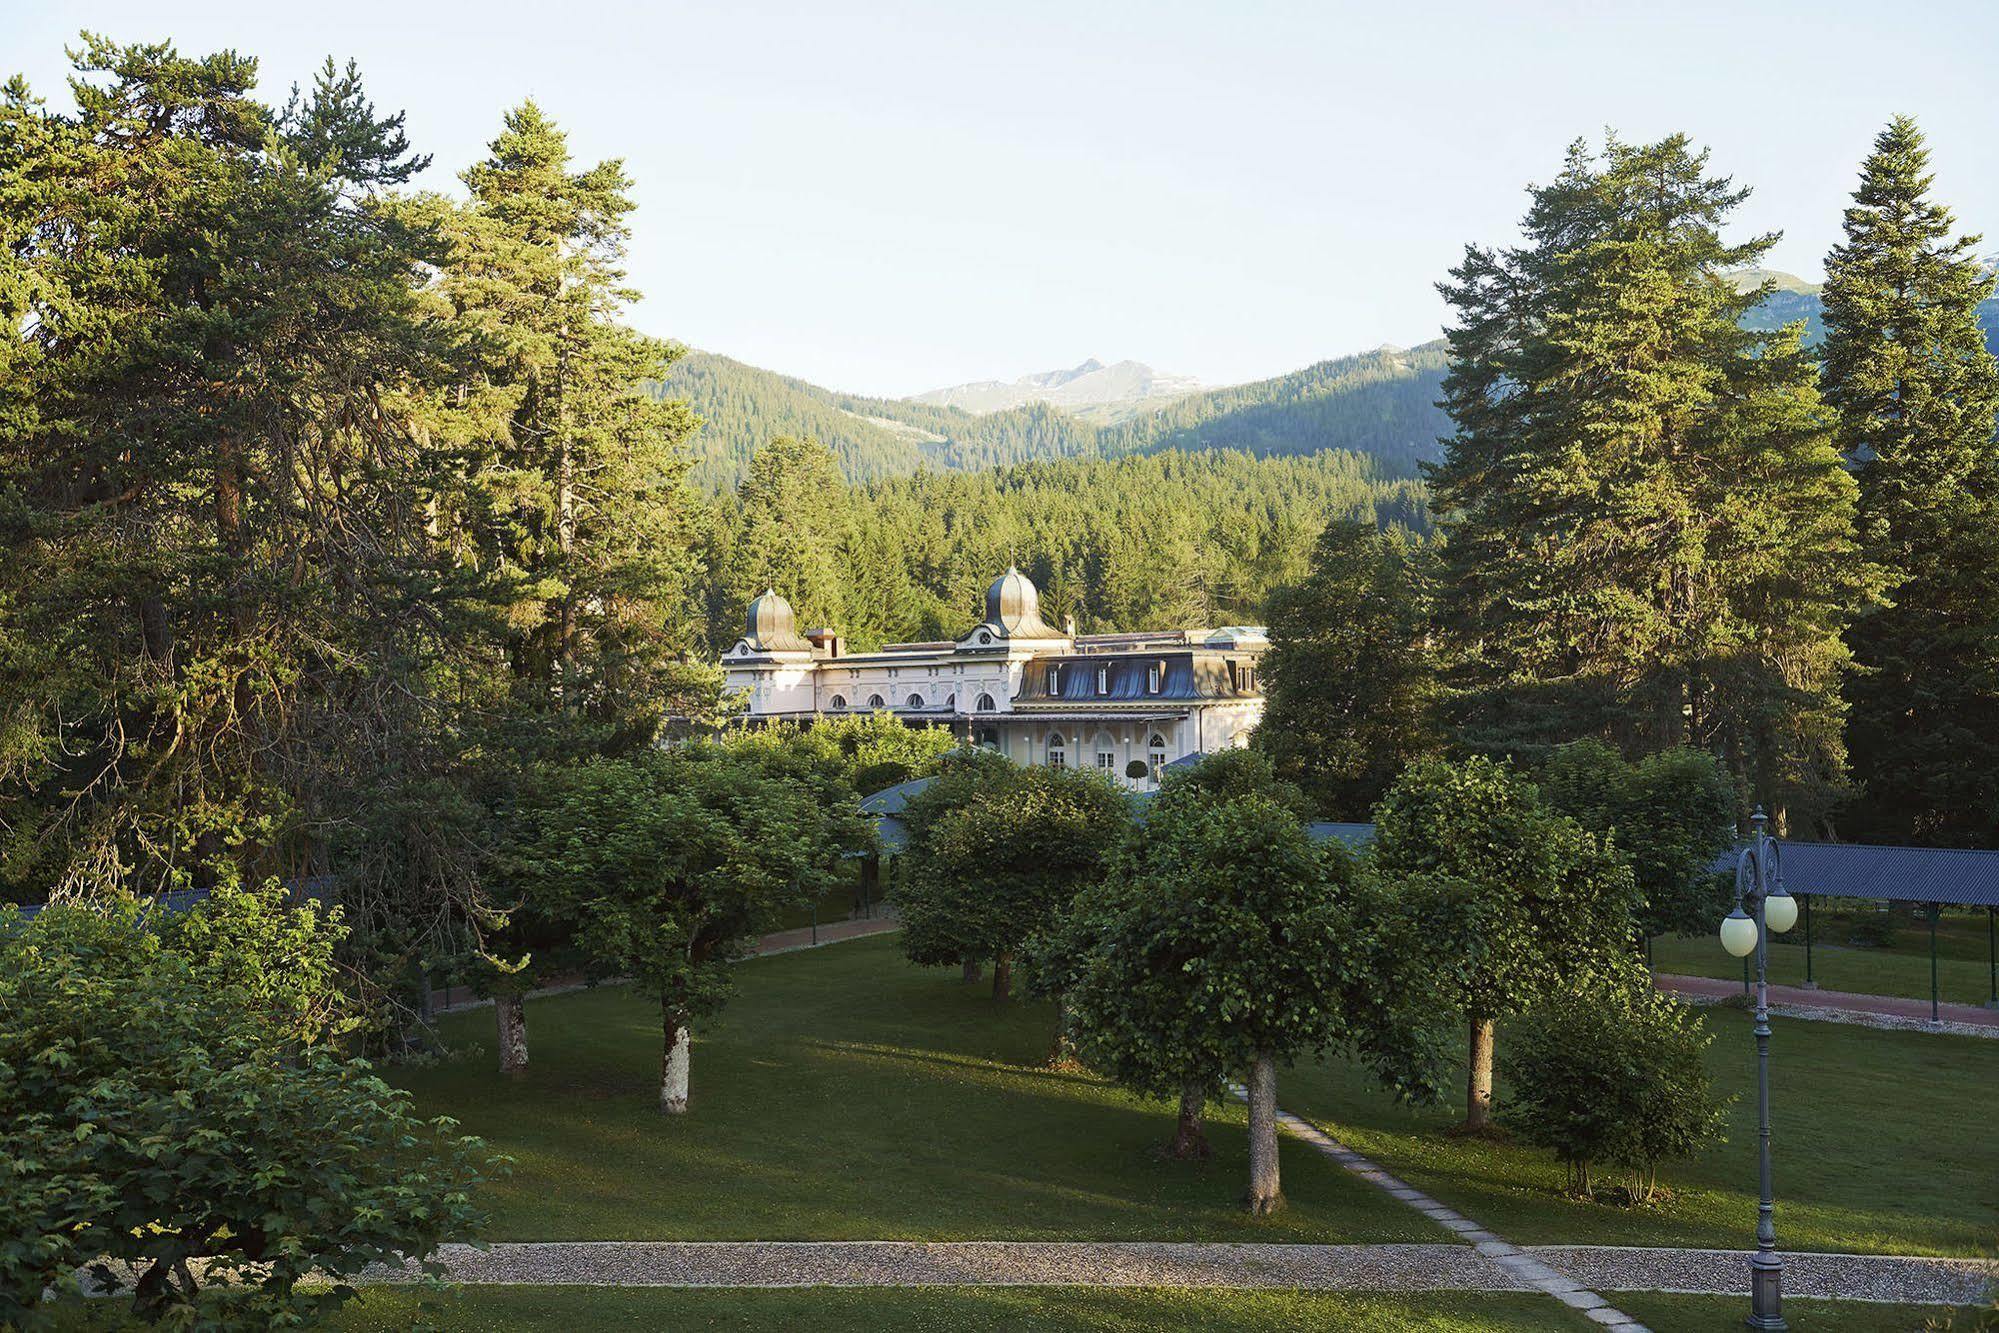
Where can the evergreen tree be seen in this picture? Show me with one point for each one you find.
(1906, 367)
(1350, 679)
(574, 516)
(1649, 533)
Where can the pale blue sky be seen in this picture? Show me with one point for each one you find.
(889, 197)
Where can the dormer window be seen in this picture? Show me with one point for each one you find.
(1103, 680)
(1055, 678)
(1248, 678)
(1155, 676)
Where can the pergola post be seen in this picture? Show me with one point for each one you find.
(1936, 1012)
(1810, 982)
(1992, 954)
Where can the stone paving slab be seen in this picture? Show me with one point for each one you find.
(1855, 1277)
(973, 1263)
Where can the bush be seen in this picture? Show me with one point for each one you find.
(1613, 1075)
(176, 1120)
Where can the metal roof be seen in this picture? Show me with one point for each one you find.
(1958, 876)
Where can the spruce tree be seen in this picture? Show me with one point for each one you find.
(1648, 530)
(575, 516)
(1916, 390)
(1350, 677)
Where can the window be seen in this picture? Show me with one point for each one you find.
(1107, 761)
(876, 701)
(1103, 680)
(1058, 751)
(1055, 678)
(916, 701)
(989, 738)
(1248, 678)
(838, 701)
(1155, 754)
(951, 701)
(1155, 676)
(985, 704)
(1235, 675)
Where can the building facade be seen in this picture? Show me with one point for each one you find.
(1037, 694)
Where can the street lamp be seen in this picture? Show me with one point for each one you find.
(1761, 906)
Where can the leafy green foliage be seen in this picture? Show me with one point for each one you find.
(667, 865)
(1613, 1074)
(174, 1110)
(1649, 533)
(1917, 390)
(1509, 902)
(1350, 675)
(996, 855)
(1669, 815)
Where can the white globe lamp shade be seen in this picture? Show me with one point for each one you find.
(1780, 911)
(1738, 933)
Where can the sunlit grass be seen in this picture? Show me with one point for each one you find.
(847, 1095)
(1883, 1143)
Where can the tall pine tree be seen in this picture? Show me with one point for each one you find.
(1906, 367)
(1648, 530)
(574, 514)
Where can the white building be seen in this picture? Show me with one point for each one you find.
(1038, 694)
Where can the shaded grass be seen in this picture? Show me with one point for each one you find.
(1963, 973)
(1724, 1314)
(847, 1095)
(1883, 1144)
(994, 1309)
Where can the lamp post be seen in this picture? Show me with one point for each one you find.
(1761, 905)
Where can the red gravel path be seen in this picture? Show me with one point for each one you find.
(1893, 1006)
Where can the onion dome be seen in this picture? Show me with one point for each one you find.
(768, 626)
(1013, 608)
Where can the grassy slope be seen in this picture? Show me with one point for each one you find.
(845, 1094)
(1883, 1144)
(1723, 1314)
(1963, 972)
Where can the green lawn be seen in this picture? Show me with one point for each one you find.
(997, 1310)
(1963, 971)
(843, 1095)
(1723, 1314)
(1040, 1310)
(1883, 1142)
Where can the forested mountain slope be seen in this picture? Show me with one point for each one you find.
(1380, 404)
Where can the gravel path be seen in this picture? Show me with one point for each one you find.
(1573, 1273)
(978, 1263)
(1852, 1277)
(1894, 1012)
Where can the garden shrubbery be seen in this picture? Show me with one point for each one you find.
(1612, 1075)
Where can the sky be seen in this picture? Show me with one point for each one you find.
(885, 198)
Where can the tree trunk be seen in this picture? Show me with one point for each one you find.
(673, 1065)
(974, 969)
(1478, 1077)
(1265, 1195)
(1190, 1141)
(1003, 978)
(1063, 1051)
(510, 1012)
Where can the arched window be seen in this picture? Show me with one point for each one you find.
(916, 701)
(951, 701)
(986, 704)
(1106, 754)
(1058, 751)
(837, 701)
(876, 701)
(1155, 754)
